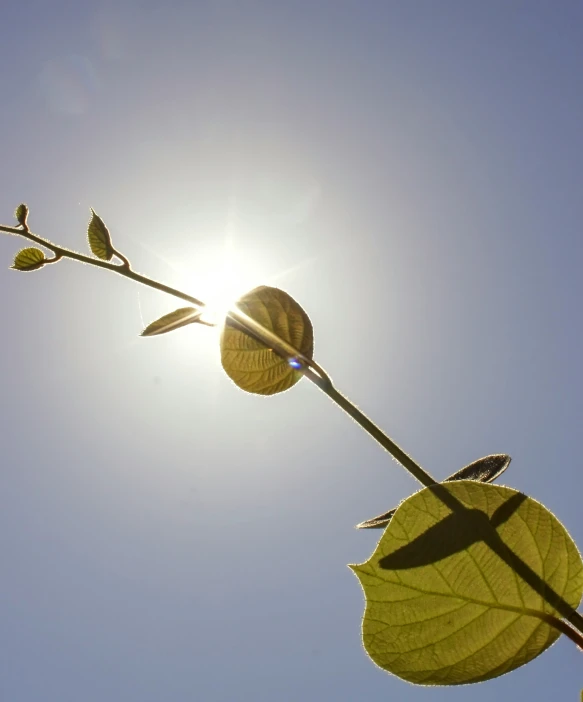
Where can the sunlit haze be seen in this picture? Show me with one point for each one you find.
(411, 173)
(219, 278)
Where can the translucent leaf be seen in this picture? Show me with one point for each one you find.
(29, 259)
(443, 604)
(485, 470)
(251, 365)
(99, 238)
(173, 320)
(21, 213)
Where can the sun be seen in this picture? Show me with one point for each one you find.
(220, 273)
(221, 290)
(219, 278)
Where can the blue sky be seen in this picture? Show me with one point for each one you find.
(411, 173)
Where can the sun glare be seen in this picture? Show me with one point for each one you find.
(220, 274)
(220, 292)
(220, 278)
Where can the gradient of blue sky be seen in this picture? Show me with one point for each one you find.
(411, 172)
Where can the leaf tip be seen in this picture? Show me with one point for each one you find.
(356, 568)
(174, 320)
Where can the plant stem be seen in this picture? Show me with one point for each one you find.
(562, 626)
(309, 368)
(323, 381)
(386, 442)
(314, 373)
(123, 269)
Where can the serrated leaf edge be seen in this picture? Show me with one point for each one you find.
(35, 265)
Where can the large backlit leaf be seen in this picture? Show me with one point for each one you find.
(251, 365)
(29, 259)
(443, 605)
(485, 469)
(173, 320)
(99, 238)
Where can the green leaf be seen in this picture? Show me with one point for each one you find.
(29, 259)
(173, 320)
(21, 213)
(444, 602)
(99, 238)
(485, 470)
(250, 364)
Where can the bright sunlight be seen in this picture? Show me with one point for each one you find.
(220, 277)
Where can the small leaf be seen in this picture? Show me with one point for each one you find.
(444, 602)
(99, 238)
(29, 259)
(251, 365)
(485, 469)
(173, 320)
(21, 213)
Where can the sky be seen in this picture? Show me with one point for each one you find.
(411, 173)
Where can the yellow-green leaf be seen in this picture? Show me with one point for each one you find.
(29, 259)
(443, 604)
(249, 363)
(173, 320)
(21, 213)
(99, 238)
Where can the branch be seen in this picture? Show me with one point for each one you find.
(314, 373)
(123, 269)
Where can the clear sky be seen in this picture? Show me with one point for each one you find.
(411, 172)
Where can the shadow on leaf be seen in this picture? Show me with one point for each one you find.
(484, 470)
(464, 527)
(457, 532)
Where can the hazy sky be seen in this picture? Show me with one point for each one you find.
(411, 172)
